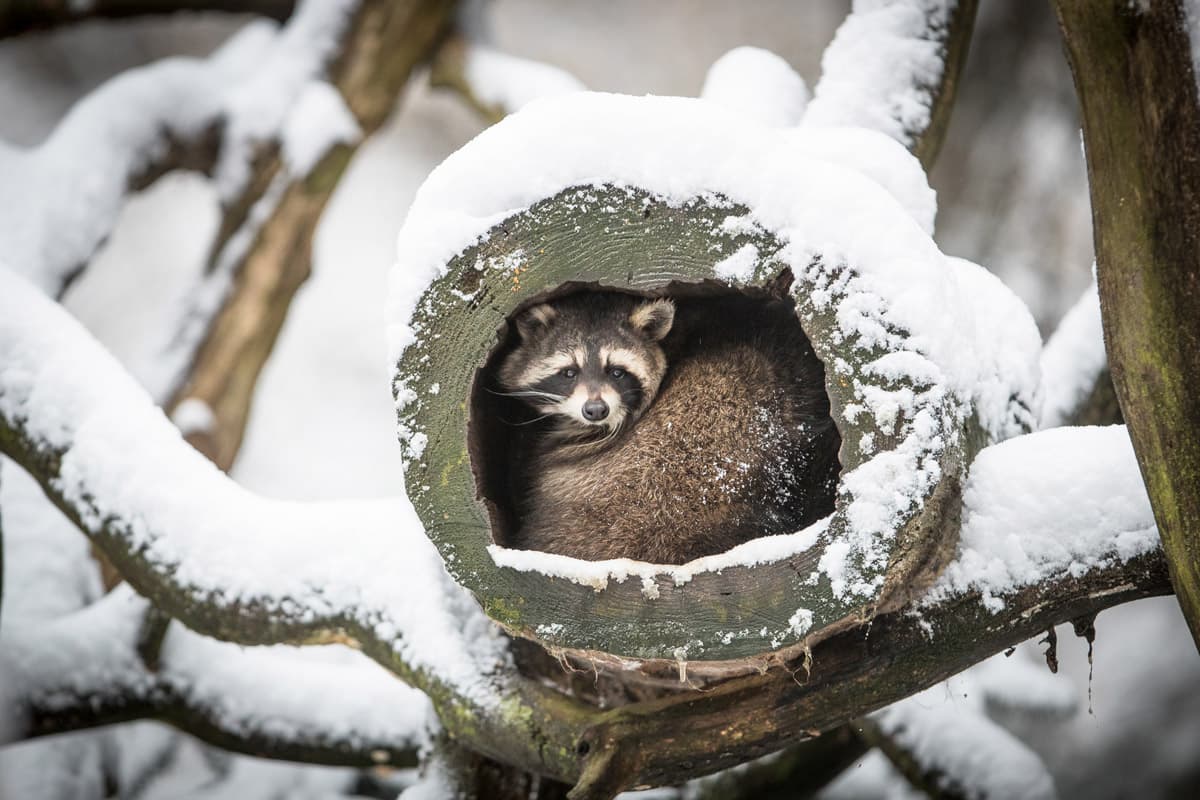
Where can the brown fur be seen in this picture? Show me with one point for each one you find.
(736, 444)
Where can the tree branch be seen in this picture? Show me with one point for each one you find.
(493, 83)
(1133, 68)
(1075, 377)
(893, 67)
(86, 670)
(111, 461)
(384, 42)
(25, 16)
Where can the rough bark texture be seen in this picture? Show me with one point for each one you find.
(386, 41)
(849, 675)
(1133, 70)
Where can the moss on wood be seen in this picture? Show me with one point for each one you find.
(628, 239)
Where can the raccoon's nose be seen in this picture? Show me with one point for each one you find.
(595, 410)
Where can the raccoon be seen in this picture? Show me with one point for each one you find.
(669, 430)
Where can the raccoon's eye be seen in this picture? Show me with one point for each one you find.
(568, 372)
(616, 373)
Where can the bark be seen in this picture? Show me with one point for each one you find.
(1132, 64)
(792, 774)
(849, 675)
(955, 44)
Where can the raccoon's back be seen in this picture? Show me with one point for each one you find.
(737, 445)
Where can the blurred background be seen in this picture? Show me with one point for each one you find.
(1012, 196)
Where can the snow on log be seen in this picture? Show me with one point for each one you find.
(927, 358)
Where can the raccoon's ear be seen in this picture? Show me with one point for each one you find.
(534, 320)
(653, 318)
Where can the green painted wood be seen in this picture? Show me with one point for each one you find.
(625, 238)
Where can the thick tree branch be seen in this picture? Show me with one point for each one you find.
(112, 463)
(894, 67)
(1133, 68)
(25, 16)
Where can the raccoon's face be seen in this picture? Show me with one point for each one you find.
(591, 360)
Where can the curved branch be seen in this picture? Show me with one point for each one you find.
(85, 670)
(114, 464)
(894, 67)
(1134, 72)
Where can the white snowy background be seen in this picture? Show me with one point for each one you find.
(1012, 196)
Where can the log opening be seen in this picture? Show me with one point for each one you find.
(712, 322)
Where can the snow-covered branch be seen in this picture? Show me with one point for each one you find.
(495, 83)
(190, 539)
(187, 537)
(85, 669)
(947, 751)
(893, 67)
(1076, 382)
(60, 199)
(24, 16)
(262, 250)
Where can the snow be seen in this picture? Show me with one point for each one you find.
(193, 416)
(944, 730)
(598, 574)
(758, 84)
(318, 120)
(121, 460)
(1191, 17)
(60, 199)
(1073, 360)
(882, 67)
(971, 345)
(1047, 505)
(502, 81)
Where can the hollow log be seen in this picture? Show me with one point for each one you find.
(738, 612)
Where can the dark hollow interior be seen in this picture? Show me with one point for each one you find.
(501, 429)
